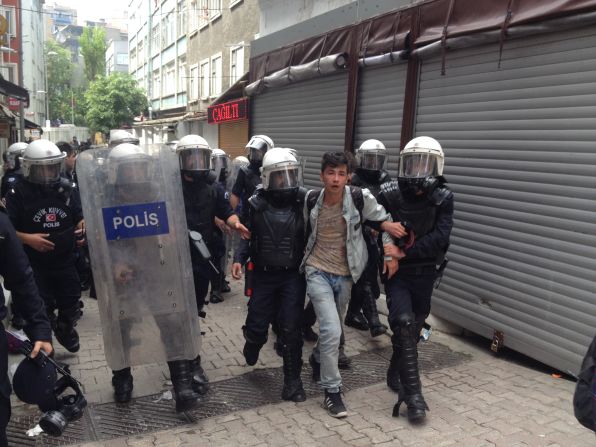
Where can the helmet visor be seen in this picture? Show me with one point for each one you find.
(197, 159)
(11, 161)
(134, 172)
(285, 177)
(257, 143)
(256, 154)
(220, 162)
(45, 174)
(418, 165)
(372, 161)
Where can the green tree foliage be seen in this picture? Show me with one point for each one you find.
(112, 102)
(59, 72)
(93, 48)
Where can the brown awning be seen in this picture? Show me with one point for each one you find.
(416, 26)
(14, 91)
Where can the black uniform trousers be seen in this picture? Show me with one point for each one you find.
(60, 289)
(278, 296)
(408, 292)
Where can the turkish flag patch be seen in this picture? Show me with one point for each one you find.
(51, 217)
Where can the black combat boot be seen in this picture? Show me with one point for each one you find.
(407, 339)
(293, 389)
(122, 383)
(64, 328)
(251, 348)
(343, 361)
(216, 296)
(354, 317)
(316, 369)
(200, 381)
(393, 381)
(369, 307)
(181, 376)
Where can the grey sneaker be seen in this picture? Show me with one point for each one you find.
(334, 405)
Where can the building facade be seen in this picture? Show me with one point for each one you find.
(157, 44)
(117, 56)
(56, 15)
(33, 60)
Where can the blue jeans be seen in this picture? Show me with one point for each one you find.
(329, 295)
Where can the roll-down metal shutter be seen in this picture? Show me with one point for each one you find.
(307, 116)
(520, 144)
(233, 137)
(380, 108)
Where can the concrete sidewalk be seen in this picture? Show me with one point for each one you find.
(484, 401)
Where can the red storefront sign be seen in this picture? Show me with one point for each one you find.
(228, 111)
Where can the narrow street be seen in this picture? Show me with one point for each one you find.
(475, 398)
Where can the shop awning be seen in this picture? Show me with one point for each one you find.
(14, 91)
(5, 112)
(31, 125)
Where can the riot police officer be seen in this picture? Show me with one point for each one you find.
(276, 247)
(13, 174)
(422, 202)
(220, 162)
(248, 178)
(18, 278)
(203, 202)
(48, 218)
(119, 136)
(370, 174)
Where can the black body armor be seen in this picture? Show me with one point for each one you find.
(277, 232)
(199, 205)
(371, 180)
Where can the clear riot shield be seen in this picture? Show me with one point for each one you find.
(138, 241)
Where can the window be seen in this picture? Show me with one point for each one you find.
(182, 75)
(205, 79)
(169, 86)
(194, 82)
(168, 31)
(141, 51)
(8, 14)
(214, 9)
(236, 63)
(122, 59)
(133, 57)
(203, 13)
(194, 15)
(156, 42)
(9, 72)
(156, 84)
(181, 24)
(216, 75)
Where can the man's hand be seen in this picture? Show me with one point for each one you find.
(222, 226)
(45, 346)
(123, 273)
(390, 267)
(394, 251)
(244, 233)
(395, 229)
(80, 232)
(39, 242)
(237, 270)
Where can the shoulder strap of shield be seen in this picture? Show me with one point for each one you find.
(301, 196)
(441, 193)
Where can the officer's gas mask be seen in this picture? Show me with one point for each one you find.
(195, 163)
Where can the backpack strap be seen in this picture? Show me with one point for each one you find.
(358, 199)
(311, 200)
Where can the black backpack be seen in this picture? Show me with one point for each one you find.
(313, 196)
(582, 398)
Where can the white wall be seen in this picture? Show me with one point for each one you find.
(56, 134)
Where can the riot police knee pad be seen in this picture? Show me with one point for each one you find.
(405, 325)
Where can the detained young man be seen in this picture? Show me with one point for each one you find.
(335, 258)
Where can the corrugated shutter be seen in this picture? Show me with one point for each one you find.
(520, 144)
(233, 137)
(307, 116)
(380, 108)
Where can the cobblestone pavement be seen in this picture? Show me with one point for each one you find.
(486, 401)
